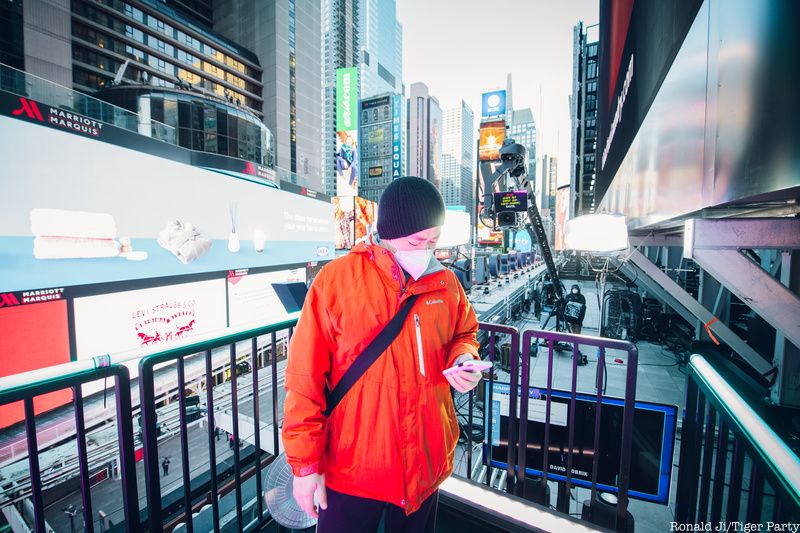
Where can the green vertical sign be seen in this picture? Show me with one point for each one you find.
(346, 99)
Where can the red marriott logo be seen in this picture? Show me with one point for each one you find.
(30, 108)
(8, 299)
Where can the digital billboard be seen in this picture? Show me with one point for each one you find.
(493, 103)
(492, 135)
(366, 216)
(485, 234)
(562, 207)
(397, 159)
(252, 297)
(143, 318)
(40, 332)
(344, 220)
(347, 131)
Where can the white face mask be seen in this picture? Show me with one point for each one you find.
(415, 262)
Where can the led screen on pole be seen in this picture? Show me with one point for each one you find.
(347, 131)
(492, 135)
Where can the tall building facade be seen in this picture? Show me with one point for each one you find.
(522, 128)
(160, 59)
(424, 127)
(381, 40)
(286, 36)
(340, 30)
(549, 183)
(458, 150)
(380, 144)
(583, 112)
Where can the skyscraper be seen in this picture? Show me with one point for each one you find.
(424, 146)
(583, 112)
(285, 35)
(523, 130)
(380, 144)
(340, 28)
(160, 59)
(549, 179)
(381, 41)
(458, 148)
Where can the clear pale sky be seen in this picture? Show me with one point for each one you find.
(462, 48)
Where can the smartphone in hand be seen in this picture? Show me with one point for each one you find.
(471, 365)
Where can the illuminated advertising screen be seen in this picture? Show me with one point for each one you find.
(344, 220)
(485, 234)
(492, 135)
(516, 201)
(40, 332)
(252, 297)
(493, 103)
(562, 206)
(365, 217)
(347, 131)
(397, 160)
(144, 318)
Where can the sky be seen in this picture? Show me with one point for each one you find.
(462, 48)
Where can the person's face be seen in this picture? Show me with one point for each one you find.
(421, 240)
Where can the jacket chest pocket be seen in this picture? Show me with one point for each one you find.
(420, 348)
(429, 346)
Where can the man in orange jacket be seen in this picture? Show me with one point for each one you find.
(390, 443)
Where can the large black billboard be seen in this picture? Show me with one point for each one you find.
(639, 40)
(702, 110)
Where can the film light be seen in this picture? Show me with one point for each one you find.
(456, 229)
(597, 233)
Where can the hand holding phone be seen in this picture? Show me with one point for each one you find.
(466, 373)
(471, 365)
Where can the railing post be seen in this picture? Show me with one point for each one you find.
(687, 472)
(150, 437)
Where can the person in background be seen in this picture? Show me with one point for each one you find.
(390, 443)
(576, 309)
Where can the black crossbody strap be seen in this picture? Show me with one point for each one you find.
(370, 354)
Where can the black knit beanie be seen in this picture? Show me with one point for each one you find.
(409, 205)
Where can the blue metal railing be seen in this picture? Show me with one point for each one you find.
(722, 432)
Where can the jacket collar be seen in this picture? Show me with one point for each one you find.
(432, 279)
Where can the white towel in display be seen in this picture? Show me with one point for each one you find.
(184, 240)
(73, 248)
(80, 224)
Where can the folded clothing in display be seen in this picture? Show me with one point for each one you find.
(73, 248)
(80, 224)
(184, 240)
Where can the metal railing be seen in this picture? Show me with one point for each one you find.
(163, 510)
(519, 388)
(722, 432)
(28, 391)
(194, 499)
(24, 84)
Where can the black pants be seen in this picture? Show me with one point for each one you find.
(351, 514)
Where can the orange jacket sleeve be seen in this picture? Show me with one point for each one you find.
(308, 367)
(466, 329)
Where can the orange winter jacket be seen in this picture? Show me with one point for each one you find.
(393, 436)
